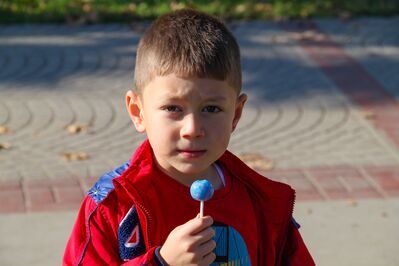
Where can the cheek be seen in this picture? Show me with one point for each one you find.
(224, 125)
(161, 129)
(221, 133)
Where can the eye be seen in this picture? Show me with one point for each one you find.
(172, 108)
(212, 109)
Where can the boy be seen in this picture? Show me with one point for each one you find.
(187, 100)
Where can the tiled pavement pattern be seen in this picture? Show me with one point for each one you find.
(320, 116)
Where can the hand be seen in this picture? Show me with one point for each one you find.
(190, 243)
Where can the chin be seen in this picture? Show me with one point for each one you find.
(193, 169)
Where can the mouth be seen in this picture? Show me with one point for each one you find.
(192, 153)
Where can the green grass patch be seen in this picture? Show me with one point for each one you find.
(98, 11)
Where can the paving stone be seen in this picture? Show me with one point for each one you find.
(12, 200)
(39, 198)
(320, 98)
(68, 194)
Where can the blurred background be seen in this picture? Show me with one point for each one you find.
(95, 11)
(323, 85)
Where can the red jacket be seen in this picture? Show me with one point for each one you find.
(119, 203)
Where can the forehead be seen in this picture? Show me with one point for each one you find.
(172, 86)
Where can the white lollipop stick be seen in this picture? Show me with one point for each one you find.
(201, 208)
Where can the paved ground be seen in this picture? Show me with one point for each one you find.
(337, 233)
(322, 116)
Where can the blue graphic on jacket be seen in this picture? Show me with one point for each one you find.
(131, 242)
(104, 185)
(230, 247)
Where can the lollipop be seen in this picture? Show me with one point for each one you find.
(201, 190)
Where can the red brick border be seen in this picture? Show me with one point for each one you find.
(351, 78)
(343, 182)
(323, 183)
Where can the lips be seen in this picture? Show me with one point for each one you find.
(192, 153)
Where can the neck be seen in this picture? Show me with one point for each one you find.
(210, 174)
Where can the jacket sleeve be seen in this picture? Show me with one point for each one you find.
(94, 241)
(296, 252)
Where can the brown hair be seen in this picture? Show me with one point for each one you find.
(188, 43)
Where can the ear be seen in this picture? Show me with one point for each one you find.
(134, 107)
(238, 111)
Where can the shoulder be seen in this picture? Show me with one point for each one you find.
(107, 210)
(104, 186)
(278, 192)
(102, 203)
(251, 177)
(276, 186)
(276, 197)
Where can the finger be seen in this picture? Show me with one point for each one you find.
(196, 225)
(206, 248)
(204, 236)
(201, 224)
(208, 259)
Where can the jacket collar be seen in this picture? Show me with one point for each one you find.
(142, 167)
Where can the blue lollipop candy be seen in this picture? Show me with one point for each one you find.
(201, 190)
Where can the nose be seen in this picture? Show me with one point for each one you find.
(192, 127)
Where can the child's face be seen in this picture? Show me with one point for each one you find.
(188, 122)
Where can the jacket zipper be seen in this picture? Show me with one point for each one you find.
(149, 222)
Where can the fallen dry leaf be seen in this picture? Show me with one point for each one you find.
(257, 161)
(5, 146)
(306, 35)
(352, 202)
(75, 156)
(280, 39)
(309, 35)
(4, 130)
(77, 128)
(368, 114)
